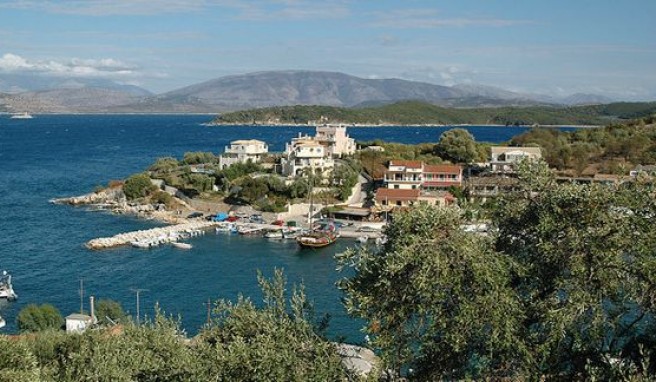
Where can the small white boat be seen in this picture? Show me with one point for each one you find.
(179, 245)
(226, 227)
(274, 234)
(249, 230)
(2, 322)
(6, 289)
(291, 233)
(141, 244)
(21, 116)
(363, 239)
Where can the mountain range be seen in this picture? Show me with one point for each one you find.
(43, 94)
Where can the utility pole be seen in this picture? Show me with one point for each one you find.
(81, 292)
(138, 291)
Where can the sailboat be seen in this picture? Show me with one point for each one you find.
(316, 238)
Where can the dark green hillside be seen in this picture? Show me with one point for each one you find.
(415, 112)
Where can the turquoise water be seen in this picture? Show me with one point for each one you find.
(42, 244)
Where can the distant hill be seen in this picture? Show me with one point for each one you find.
(415, 112)
(52, 94)
(303, 88)
(39, 93)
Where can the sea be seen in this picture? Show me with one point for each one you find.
(42, 244)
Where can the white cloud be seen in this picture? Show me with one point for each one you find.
(243, 9)
(75, 67)
(430, 18)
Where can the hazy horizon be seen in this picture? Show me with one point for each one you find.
(555, 48)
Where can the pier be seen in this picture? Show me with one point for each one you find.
(156, 236)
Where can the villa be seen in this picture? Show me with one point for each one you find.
(243, 151)
(505, 158)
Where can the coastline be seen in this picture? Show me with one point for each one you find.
(363, 125)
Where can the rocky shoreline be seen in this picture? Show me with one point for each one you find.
(113, 200)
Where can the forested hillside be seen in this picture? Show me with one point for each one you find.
(415, 112)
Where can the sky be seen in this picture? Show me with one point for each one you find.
(554, 47)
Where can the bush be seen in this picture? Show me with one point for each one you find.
(138, 186)
(161, 197)
(35, 318)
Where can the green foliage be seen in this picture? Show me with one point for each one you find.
(253, 189)
(587, 254)
(199, 182)
(17, 363)
(108, 311)
(274, 343)
(437, 299)
(630, 144)
(162, 197)
(344, 178)
(164, 165)
(300, 188)
(416, 112)
(457, 146)
(35, 318)
(199, 158)
(138, 186)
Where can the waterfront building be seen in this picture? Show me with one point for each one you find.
(411, 175)
(335, 139)
(404, 174)
(408, 182)
(390, 198)
(305, 153)
(441, 177)
(505, 158)
(243, 151)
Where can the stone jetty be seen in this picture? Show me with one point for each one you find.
(154, 236)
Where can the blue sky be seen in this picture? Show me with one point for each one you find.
(553, 47)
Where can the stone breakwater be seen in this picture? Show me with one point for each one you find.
(155, 235)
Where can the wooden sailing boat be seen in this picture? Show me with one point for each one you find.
(316, 238)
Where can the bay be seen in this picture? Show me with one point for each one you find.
(63, 155)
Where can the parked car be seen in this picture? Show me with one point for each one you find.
(256, 219)
(194, 215)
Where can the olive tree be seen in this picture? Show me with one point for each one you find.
(437, 299)
(276, 342)
(588, 280)
(34, 318)
(457, 145)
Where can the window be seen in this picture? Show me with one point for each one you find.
(398, 203)
(396, 186)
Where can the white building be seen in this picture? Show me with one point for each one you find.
(404, 174)
(504, 158)
(78, 323)
(242, 151)
(334, 137)
(306, 152)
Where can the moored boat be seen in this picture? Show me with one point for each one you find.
(21, 116)
(316, 239)
(249, 230)
(6, 289)
(180, 245)
(2, 322)
(274, 234)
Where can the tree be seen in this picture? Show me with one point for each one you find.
(138, 186)
(108, 311)
(457, 145)
(588, 275)
(33, 318)
(253, 189)
(437, 299)
(17, 363)
(276, 342)
(198, 157)
(164, 165)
